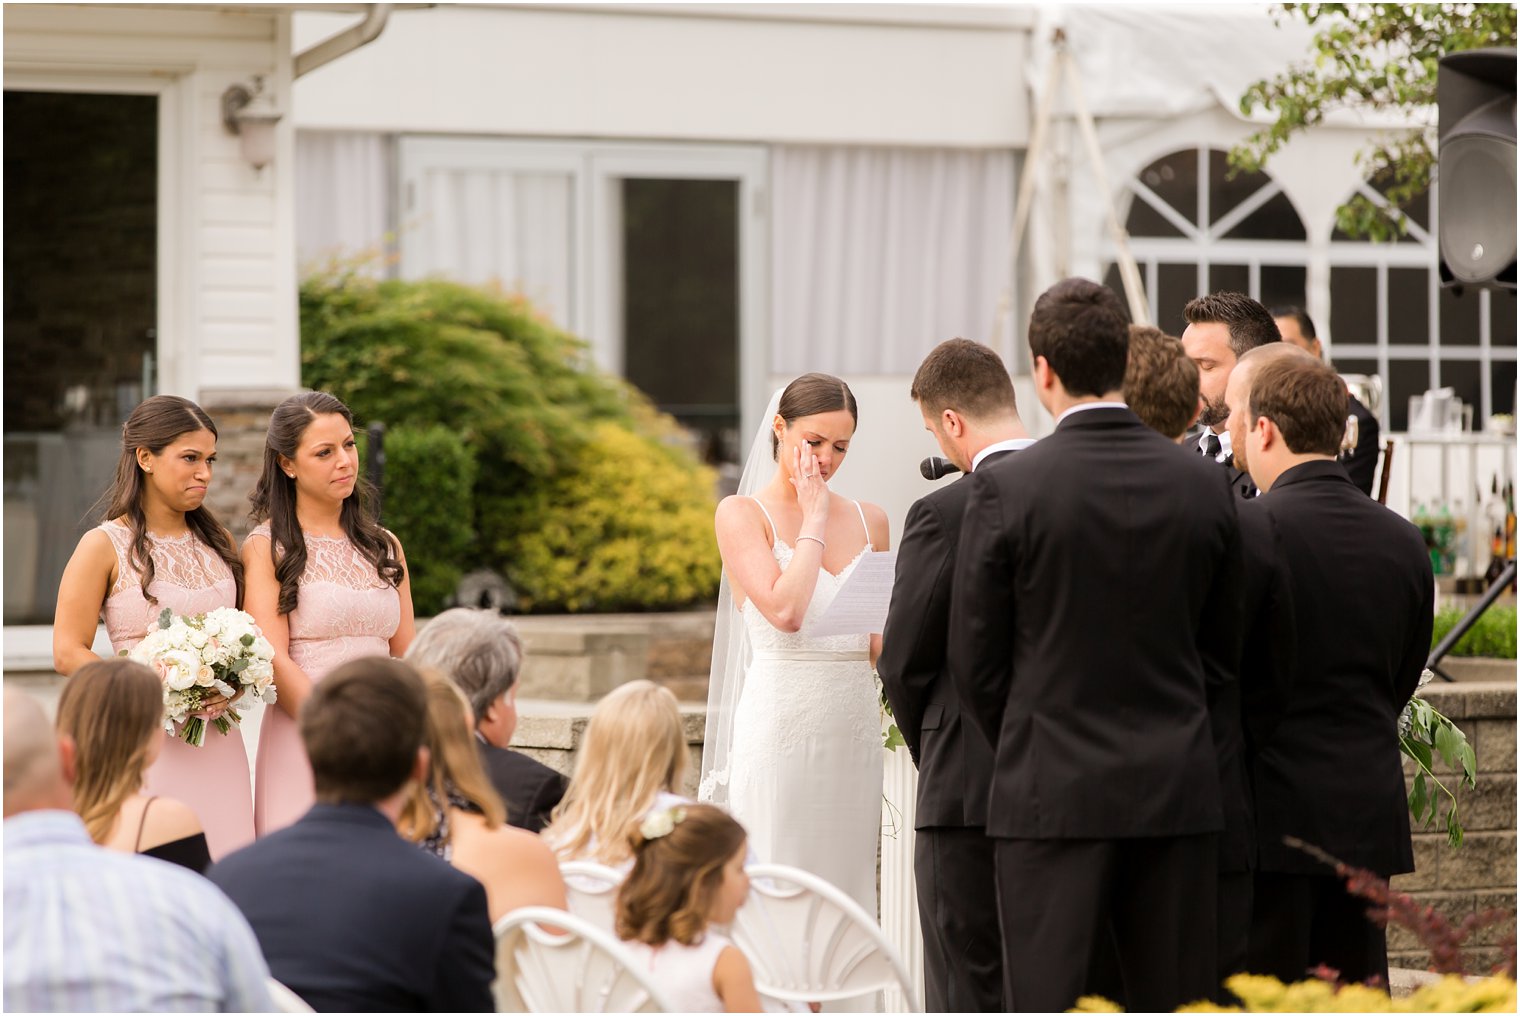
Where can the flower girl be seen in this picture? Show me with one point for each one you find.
(688, 874)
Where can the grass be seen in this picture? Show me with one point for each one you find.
(1493, 634)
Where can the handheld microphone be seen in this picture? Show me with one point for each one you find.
(934, 467)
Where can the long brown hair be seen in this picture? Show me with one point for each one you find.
(669, 893)
(634, 747)
(113, 709)
(274, 499)
(154, 425)
(455, 763)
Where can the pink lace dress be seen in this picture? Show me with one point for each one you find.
(346, 611)
(188, 578)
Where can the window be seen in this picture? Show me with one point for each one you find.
(1195, 229)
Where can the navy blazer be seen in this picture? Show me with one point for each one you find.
(353, 918)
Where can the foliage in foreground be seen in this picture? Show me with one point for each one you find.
(1373, 58)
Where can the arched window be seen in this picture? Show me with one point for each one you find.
(1195, 229)
(1389, 316)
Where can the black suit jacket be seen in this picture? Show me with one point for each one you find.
(1361, 462)
(954, 759)
(1096, 595)
(353, 918)
(529, 788)
(1330, 772)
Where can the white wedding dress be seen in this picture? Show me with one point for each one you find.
(805, 767)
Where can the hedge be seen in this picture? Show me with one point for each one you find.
(1492, 635)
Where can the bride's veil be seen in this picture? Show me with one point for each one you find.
(731, 651)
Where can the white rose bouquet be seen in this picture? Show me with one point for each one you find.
(220, 652)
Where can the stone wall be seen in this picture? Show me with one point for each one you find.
(1481, 873)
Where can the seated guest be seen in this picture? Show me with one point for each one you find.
(114, 712)
(633, 759)
(456, 815)
(688, 881)
(479, 651)
(92, 930)
(1161, 383)
(351, 916)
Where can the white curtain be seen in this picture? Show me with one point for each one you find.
(881, 254)
(497, 224)
(344, 192)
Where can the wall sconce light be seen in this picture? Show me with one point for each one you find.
(251, 115)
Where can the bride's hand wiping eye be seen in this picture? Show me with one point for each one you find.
(812, 493)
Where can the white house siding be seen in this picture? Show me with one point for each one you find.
(227, 298)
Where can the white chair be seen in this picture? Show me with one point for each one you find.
(591, 890)
(807, 941)
(576, 967)
(286, 1000)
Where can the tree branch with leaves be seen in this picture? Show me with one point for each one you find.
(1372, 58)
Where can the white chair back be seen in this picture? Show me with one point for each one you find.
(591, 889)
(576, 967)
(286, 1000)
(808, 941)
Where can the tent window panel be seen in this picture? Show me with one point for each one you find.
(1143, 220)
(1459, 317)
(1283, 285)
(1114, 280)
(1501, 319)
(1177, 285)
(1227, 191)
(1465, 378)
(1174, 179)
(1354, 305)
(1502, 378)
(1409, 306)
(1236, 278)
(1275, 220)
(1406, 378)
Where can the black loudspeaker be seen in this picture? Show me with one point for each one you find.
(1476, 96)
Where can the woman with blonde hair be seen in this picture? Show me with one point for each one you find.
(633, 760)
(114, 712)
(458, 815)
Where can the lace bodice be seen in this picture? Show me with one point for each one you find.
(188, 578)
(765, 637)
(345, 611)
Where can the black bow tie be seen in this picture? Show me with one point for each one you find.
(1212, 447)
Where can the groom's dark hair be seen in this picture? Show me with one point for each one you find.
(1082, 331)
(967, 377)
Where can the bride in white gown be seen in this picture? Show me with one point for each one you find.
(793, 746)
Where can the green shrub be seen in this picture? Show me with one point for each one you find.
(534, 416)
(429, 502)
(1493, 634)
(628, 527)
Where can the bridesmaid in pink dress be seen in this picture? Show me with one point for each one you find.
(158, 547)
(325, 582)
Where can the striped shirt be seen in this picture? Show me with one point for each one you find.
(95, 930)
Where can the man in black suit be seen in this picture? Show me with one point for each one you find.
(1361, 460)
(1096, 595)
(349, 915)
(480, 651)
(1223, 327)
(966, 398)
(1363, 596)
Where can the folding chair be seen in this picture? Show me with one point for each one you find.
(551, 961)
(592, 892)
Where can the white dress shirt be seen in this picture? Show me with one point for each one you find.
(1224, 444)
(1011, 445)
(1080, 406)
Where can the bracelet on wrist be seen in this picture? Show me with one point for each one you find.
(816, 539)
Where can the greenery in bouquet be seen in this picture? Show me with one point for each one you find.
(576, 490)
(202, 657)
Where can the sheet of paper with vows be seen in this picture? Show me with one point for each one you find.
(860, 607)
